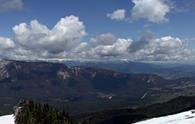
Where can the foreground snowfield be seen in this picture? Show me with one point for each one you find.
(181, 118)
(8, 119)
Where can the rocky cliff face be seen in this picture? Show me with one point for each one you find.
(3, 72)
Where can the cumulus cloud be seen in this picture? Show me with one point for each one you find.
(104, 46)
(117, 15)
(148, 48)
(35, 41)
(64, 36)
(6, 43)
(10, 5)
(103, 39)
(116, 47)
(152, 10)
(165, 48)
(142, 42)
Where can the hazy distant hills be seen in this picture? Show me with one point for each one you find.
(166, 70)
(81, 89)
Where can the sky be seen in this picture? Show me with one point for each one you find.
(136, 30)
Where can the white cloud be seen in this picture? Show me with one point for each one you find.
(119, 49)
(6, 43)
(64, 36)
(103, 39)
(10, 5)
(155, 11)
(117, 15)
(105, 46)
(152, 10)
(160, 49)
(64, 41)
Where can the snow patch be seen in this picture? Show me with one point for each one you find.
(8, 119)
(181, 118)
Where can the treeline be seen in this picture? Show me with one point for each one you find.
(28, 112)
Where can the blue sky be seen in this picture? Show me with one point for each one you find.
(93, 14)
(175, 20)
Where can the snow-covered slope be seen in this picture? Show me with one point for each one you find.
(181, 118)
(8, 119)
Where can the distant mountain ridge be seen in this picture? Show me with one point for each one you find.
(166, 70)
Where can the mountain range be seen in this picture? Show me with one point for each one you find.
(81, 89)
